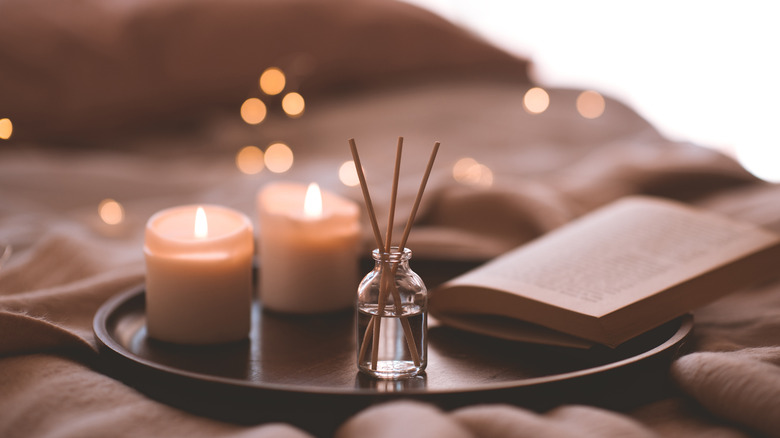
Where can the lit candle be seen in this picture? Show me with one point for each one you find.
(198, 274)
(308, 249)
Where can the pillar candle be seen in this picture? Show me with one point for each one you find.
(308, 257)
(198, 274)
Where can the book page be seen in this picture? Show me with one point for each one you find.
(619, 254)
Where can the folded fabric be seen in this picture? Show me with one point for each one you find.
(402, 419)
(414, 419)
(45, 396)
(742, 386)
(50, 294)
(491, 421)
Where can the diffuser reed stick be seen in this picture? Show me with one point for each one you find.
(372, 331)
(366, 195)
(388, 278)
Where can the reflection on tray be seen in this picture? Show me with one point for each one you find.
(416, 383)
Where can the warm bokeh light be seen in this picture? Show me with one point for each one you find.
(111, 212)
(278, 158)
(469, 172)
(201, 229)
(348, 174)
(461, 168)
(536, 100)
(483, 176)
(272, 81)
(478, 175)
(761, 157)
(293, 104)
(312, 203)
(6, 129)
(253, 111)
(590, 104)
(249, 160)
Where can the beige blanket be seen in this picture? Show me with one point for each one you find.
(547, 169)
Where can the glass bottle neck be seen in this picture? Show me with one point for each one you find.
(396, 256)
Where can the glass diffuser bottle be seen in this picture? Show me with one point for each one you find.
(392, 318)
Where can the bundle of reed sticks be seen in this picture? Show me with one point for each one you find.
(387, 284)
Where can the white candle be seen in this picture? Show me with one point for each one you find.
(308, 257)
(198, 274)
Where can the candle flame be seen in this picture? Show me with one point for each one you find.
(201, 224)
(312, 204)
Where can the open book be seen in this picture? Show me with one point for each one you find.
(610, 275)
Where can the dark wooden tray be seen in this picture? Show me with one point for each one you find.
(301, 370)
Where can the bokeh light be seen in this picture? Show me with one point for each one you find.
(590, 104)
(536, 100)
(6, 128)
(293, 104)
(253, 111)
(272, 81)
(278, 158)
(348, 174)
(111, 212)
(249, 160)
(461, 168)
(470, 172)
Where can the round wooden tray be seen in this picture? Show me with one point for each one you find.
(301, 369)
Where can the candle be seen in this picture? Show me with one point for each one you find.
(198, 274)
(308, 249)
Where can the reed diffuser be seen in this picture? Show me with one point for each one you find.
(392, 299)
